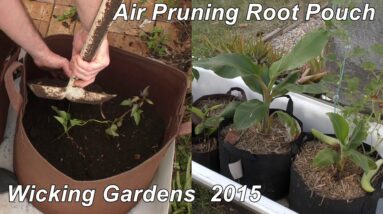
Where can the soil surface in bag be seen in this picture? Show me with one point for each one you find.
(89, 153)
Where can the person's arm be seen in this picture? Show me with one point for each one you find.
(87, 72)
(16, 23)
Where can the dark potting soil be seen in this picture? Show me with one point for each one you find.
(278, 141)
(89, 153)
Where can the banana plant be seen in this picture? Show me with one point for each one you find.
(263, 78)
(344, 148)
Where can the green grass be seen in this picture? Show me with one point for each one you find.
(218, 32)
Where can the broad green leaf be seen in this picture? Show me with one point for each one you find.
(310, 46)
(134, 109)
(361, 160)
(340, 127)
(249, 113)
(326, 157)
(324, 138)
(127, 102)
(290, 122)
(198, 112)
(253, 83)
(230, 65)
(314, 88)
(195, 74)
(358, 135)
(281, 89)
(229, 110)
(199, 129)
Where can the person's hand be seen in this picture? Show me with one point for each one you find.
(86, 72)
(48, 60)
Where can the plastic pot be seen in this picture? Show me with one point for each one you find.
(270, 171)
(127, 74)
(7, 49)
(210, 159)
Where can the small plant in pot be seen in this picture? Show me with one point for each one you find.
(205, 145)
(206, 118)
(334, 174)
(259, 143)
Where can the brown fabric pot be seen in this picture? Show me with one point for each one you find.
(7, 49)
(127, 74)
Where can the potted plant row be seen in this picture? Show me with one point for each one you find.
(257, 147)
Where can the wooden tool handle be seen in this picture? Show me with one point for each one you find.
(99, 29)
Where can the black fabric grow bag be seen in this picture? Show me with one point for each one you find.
(211, 159)
(271, 171)
(304, 201)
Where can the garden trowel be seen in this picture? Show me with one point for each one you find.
(96, 35)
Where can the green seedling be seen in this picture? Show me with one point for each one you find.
(134, 110)
(263, 78)
(344, 148)
(156, 41)
(208, 123)
(70, 15)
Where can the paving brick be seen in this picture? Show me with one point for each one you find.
(129, 43)
(66, 2)
(57, 27)
(46, 1)
(39, 10)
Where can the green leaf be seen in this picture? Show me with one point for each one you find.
(198, 112)
(230, 65)
(215, 107)
(213, 122)
(340, 127)
(76, 122)
(145, 92)
(199, 129)
(60, 113)
(112, 131)
(127, 102)
(358, 135)
(326, 157)
(281, 89)
(249, 113)
(324, 138)
(229, 110)
(310, 46)
(150, 102)
(137, 117)
(313, 88)
(361, 160)
(61, 120)
(134, 109)
(253, 83)
(290, 122)
(195, 74)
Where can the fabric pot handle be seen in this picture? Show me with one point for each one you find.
(15, 97)
(290, 104)
(240, 90)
